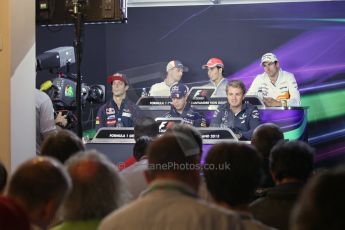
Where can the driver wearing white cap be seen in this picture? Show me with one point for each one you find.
(175, 71)
(275, 86)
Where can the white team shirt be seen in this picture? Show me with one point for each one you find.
(160, 89)
(285, 85)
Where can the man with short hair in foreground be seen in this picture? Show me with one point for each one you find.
(37, 188)
(171, 201)
(97, 191)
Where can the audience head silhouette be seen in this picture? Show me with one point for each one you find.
(61, 145)
(39, 186)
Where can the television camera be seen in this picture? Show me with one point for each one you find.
(62, 89)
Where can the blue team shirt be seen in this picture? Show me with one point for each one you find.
(110, 115)
(188, 115)
(242, 123)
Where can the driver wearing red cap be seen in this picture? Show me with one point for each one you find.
(215, 71)
(118, 111)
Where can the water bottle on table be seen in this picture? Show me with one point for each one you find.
(144, 92)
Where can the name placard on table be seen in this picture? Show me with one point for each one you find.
(214, 102)
(167, 122)
(199, 98)
(126, 135)
(114, 135)
(154, 103)
(213, 135)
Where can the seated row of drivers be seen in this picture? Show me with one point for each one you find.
(241, 118)
(274, 86)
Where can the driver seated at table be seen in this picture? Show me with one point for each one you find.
(242, 118)
(275, 86)
(118, 111)
(180, 107)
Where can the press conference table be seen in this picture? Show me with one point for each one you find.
(292, 121)
(117, 143)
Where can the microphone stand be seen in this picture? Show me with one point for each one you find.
(78, 16)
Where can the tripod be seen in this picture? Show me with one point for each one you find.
(77, 14)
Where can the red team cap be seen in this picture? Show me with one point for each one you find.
(117, 76)
(213, 62)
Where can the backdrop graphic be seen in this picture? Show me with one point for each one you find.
(308, 39)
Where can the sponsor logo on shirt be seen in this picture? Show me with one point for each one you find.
(125, 114)
(215, 113)
(111, 117)
(284, 95)
(190, 115)
(255, 114)
(242, 118)
(284, 88)
(188, 121)
(203, 122)
(109, 111)
(112, 122)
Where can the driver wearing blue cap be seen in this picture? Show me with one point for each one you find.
(181, 108)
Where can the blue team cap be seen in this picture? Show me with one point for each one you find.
(178, 91)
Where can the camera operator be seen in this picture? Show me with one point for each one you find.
(45, 122)
(118, 111)
(61, 120)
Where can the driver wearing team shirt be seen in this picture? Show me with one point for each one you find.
(174, 70)
(275, 86)
(119, 111)
(242, 118)
(180, 107)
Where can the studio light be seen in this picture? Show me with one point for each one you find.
(56, 58)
